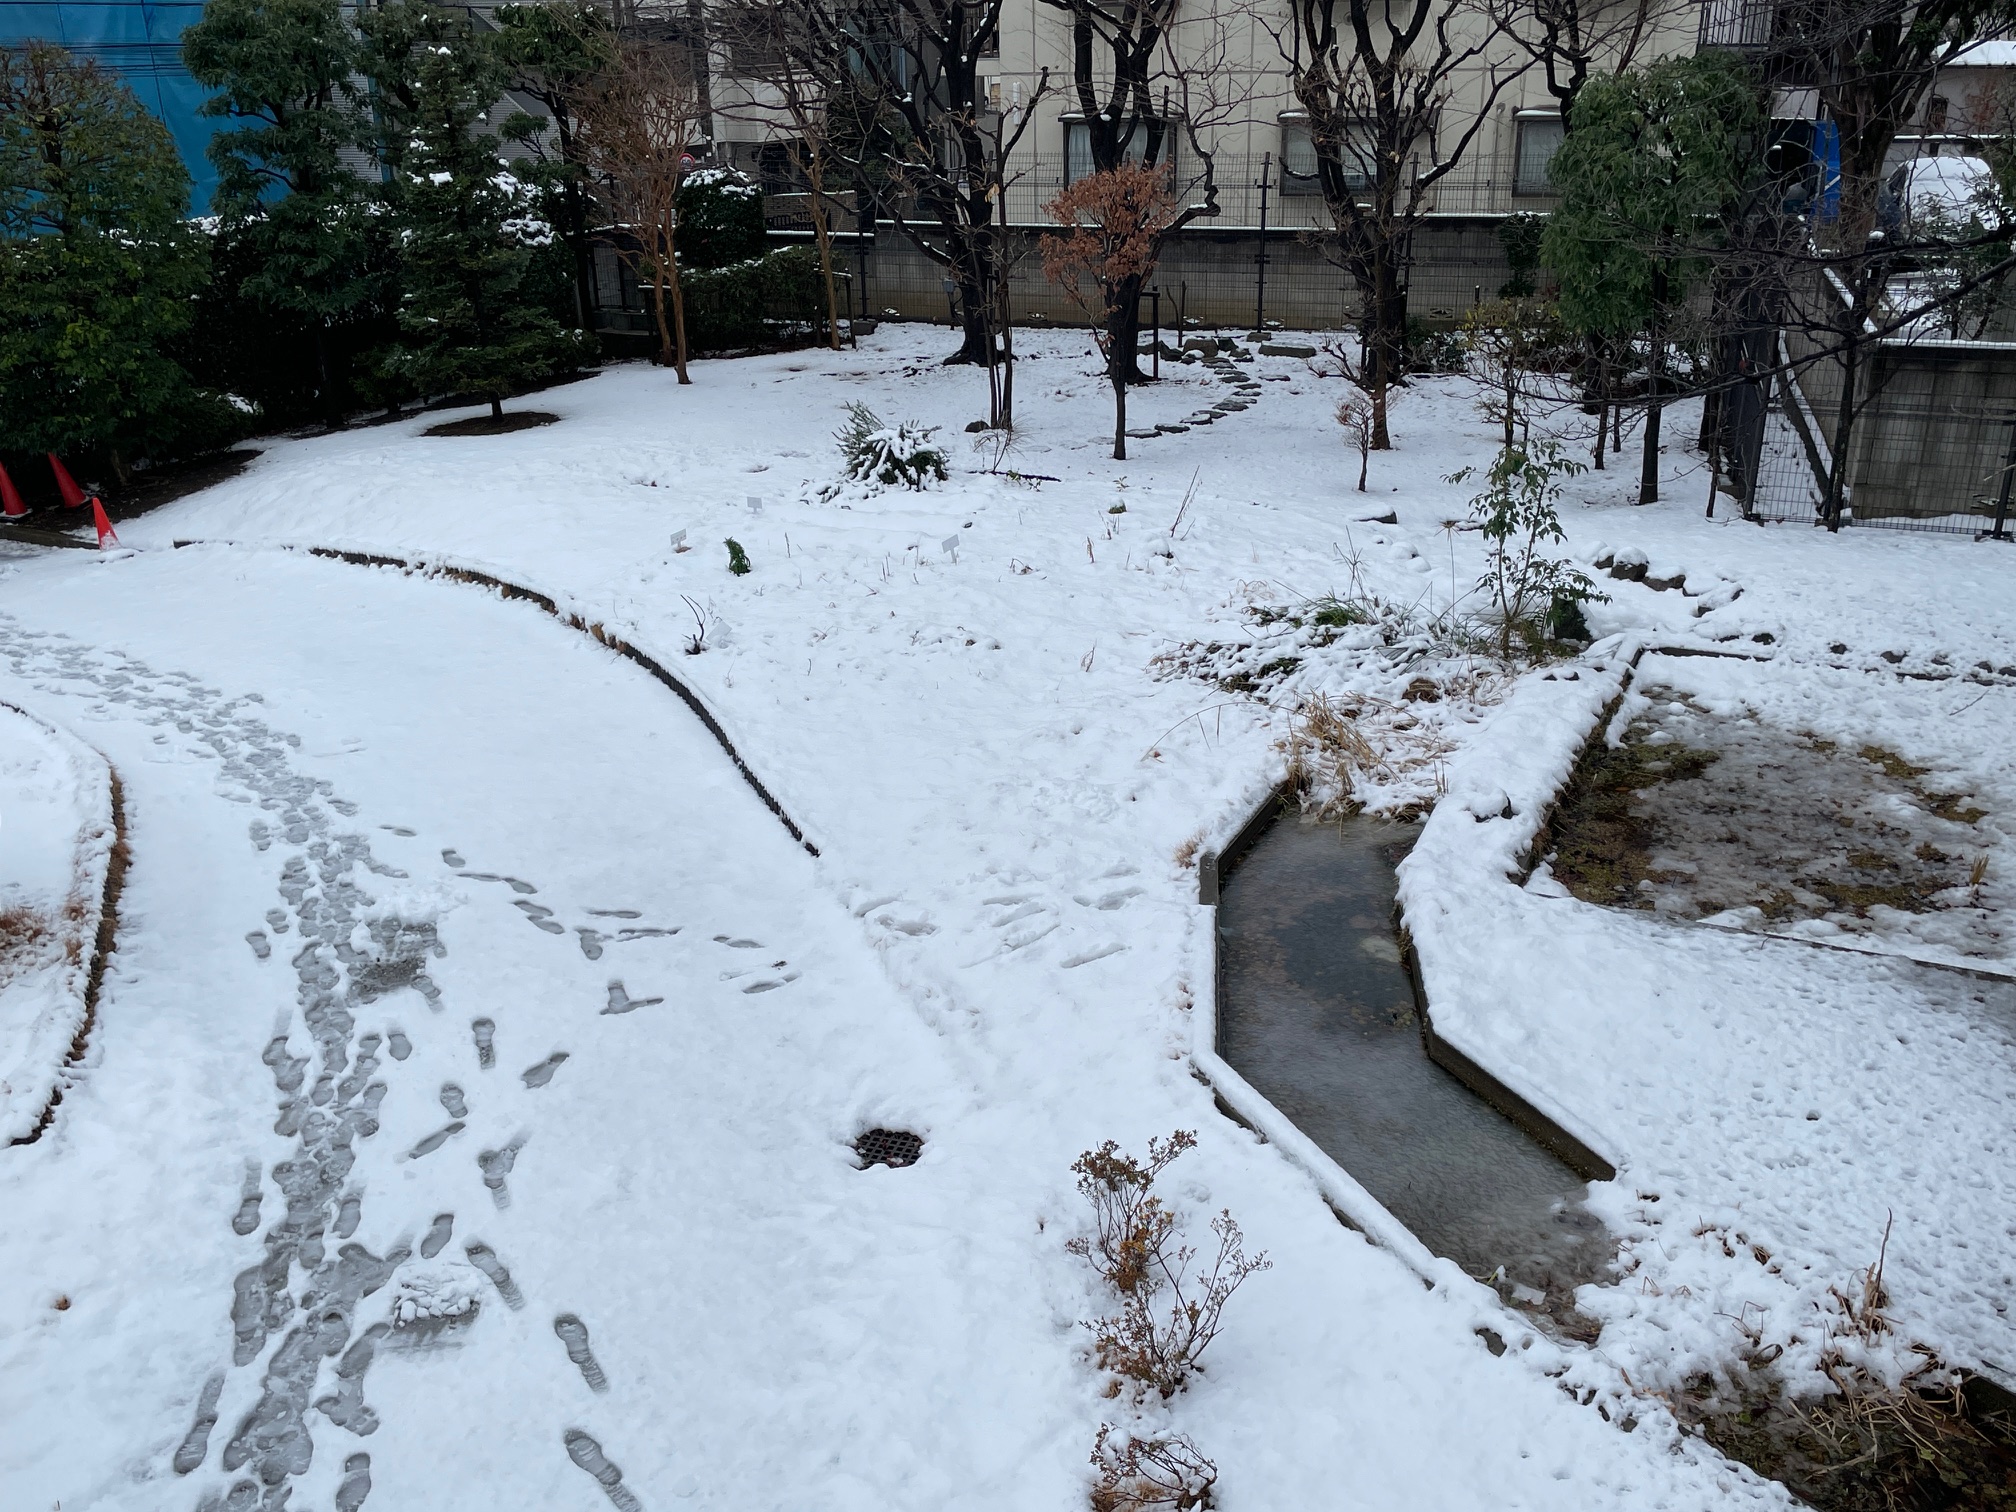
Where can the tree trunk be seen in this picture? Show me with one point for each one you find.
(1386, 349)
(1115, 373)
(822, 238)
(973, 320)
(584, 264)
(678, 319)
(1844, 423)
(1123, 330)
(1364, 461)
(668, 274)
(332, 411)
(1648, 471)
(658, 301)
(496, 408)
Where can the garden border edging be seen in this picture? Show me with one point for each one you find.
(439, 568)
(101, 865)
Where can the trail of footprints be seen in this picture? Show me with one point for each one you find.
(307, 1287)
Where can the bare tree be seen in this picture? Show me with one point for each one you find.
(643, 127)
(924, 137)
(1871, 64)
(1374, 79)
(1569, 40)
(782, 70)
(1150, 84)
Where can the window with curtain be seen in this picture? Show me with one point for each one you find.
(1298, 159)
(1540, 138)
(1078, 149)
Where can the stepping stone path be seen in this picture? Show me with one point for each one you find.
(1245, 391)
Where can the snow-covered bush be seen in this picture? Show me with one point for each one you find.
(876, 453)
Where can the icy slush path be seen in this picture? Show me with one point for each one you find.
(595, 1169)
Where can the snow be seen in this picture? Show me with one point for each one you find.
(1000, 753)
(56, 838)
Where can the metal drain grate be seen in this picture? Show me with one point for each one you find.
(890, 1147)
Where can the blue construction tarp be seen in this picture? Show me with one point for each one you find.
(141, 41)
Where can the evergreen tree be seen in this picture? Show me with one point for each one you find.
(554, 50)
(467, 225)
(720, 219)
(283, 68)
(97, 264)
(1657, 157)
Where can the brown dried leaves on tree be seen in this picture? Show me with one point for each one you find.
(1114, 223)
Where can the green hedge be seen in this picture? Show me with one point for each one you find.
(760, 302)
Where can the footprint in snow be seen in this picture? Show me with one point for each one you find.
(620, 1000)
(539, 1075)
(586, 1453)
(574, 1334)
(435, 1140)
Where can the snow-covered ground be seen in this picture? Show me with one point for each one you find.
(975, 701)
(56, 841)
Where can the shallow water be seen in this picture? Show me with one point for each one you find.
(1316, 1011)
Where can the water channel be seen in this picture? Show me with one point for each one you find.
(1316, 1010)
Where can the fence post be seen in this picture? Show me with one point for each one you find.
(2000, 532)
(1260, 294)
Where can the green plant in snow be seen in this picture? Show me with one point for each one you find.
(1530, 593)
(738, 559)
(902, 456)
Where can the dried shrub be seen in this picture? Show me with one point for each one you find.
(1869, 1443)
(24, 932)
(1168, 1314)
(1144, 1470)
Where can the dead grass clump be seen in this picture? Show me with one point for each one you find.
(1868, 1444)
(1326, 749)
(1155, 1470)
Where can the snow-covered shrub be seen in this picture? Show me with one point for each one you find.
(903, 456)
(761, 301)
(720, 219)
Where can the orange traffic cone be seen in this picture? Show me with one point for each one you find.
(11, 507)
(107, 537)
(73, 496)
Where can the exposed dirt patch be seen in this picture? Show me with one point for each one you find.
(493, 425)
(1704, 817)
(1866, 1449)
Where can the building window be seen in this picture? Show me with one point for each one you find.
(1540, 137)
(1078, 148)
(1298, 159)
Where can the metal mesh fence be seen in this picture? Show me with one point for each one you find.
(1935, 466)
(1206, 277)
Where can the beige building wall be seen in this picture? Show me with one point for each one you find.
(1240, 90)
